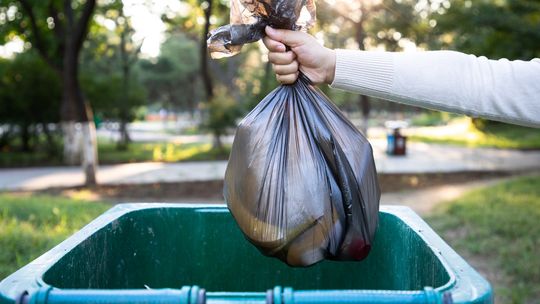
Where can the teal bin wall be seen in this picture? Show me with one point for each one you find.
(161, 253)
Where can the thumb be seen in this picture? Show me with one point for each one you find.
(287, 37)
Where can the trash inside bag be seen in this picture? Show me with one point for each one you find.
(301, 181)
(250, 17)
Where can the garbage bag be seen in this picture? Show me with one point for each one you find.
(248, 18)
(301, 181)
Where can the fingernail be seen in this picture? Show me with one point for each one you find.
(270, 30)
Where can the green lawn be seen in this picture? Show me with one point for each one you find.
(136, 152)
(166, 152)
(500, 227)
(31, 225)
(463, 133)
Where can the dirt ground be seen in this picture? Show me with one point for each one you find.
(211, 191)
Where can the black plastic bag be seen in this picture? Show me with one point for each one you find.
(301, 180)
(250, 17)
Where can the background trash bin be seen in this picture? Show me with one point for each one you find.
(396, 142)
(163, 253)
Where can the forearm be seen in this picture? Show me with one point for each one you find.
(444, 80)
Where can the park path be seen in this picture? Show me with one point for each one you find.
(421, 158)
(425, 201)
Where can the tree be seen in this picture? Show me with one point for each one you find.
(110, 57)
(57, 30)
(222, 111)
(189, 25)
(496, 29)
(205, 71)
(29, 98)
(172, 78)
(355, 15)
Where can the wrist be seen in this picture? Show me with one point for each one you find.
(330, 70)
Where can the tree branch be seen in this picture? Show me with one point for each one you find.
(58, 25)
(81, 28)
(59, 30)
(38, 38)
(135, 54)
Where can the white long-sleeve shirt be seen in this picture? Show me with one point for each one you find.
(450, 81)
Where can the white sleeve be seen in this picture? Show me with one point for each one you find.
(445, 80)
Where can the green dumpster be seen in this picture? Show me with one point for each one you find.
(177, 253)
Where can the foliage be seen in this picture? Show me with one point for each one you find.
(35, 28)
(29, 100)
(29, 90)
(110, 57)
(432, 118)
(171, 79)
(498, 135)
(499, 226)
(496, 29)
(222, 113)
(105, 93)
(31, 225)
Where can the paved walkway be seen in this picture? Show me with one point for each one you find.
(421, 158)
(424, 201)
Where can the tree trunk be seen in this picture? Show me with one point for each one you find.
(366, 109)
(89, 162)
(205, 72)
(25, 137)
(364, 100)
(218, 144)
(5, 136)
(51, 147)
(124, 139)
(80, 140)
(124, 98)
(72, 142)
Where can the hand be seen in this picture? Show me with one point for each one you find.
(307, 55)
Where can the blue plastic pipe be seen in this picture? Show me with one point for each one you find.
(49, 295)
(426, 296)
(196, 295)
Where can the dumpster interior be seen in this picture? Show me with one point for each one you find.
(174, 247)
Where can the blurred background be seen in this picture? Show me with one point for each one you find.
(110, 101)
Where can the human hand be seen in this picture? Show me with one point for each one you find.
(307, 55)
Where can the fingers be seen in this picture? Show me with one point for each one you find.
(273, 45)
(287, 79)
(284, 63)
(286, 69)
(286, 74)
(281, 58)
(290, 38)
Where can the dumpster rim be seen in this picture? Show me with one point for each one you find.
(33, 272)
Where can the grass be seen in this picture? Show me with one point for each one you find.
(461, 132)
(432, 118)
(31, 225)
(499, 226)
(136, 152)
(9, 158)
(166, 152)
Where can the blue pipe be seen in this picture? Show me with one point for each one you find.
(49, 295)
(196, 295)
(426, 296)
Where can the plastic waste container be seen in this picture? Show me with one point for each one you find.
(163, 253)
(396, 142)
